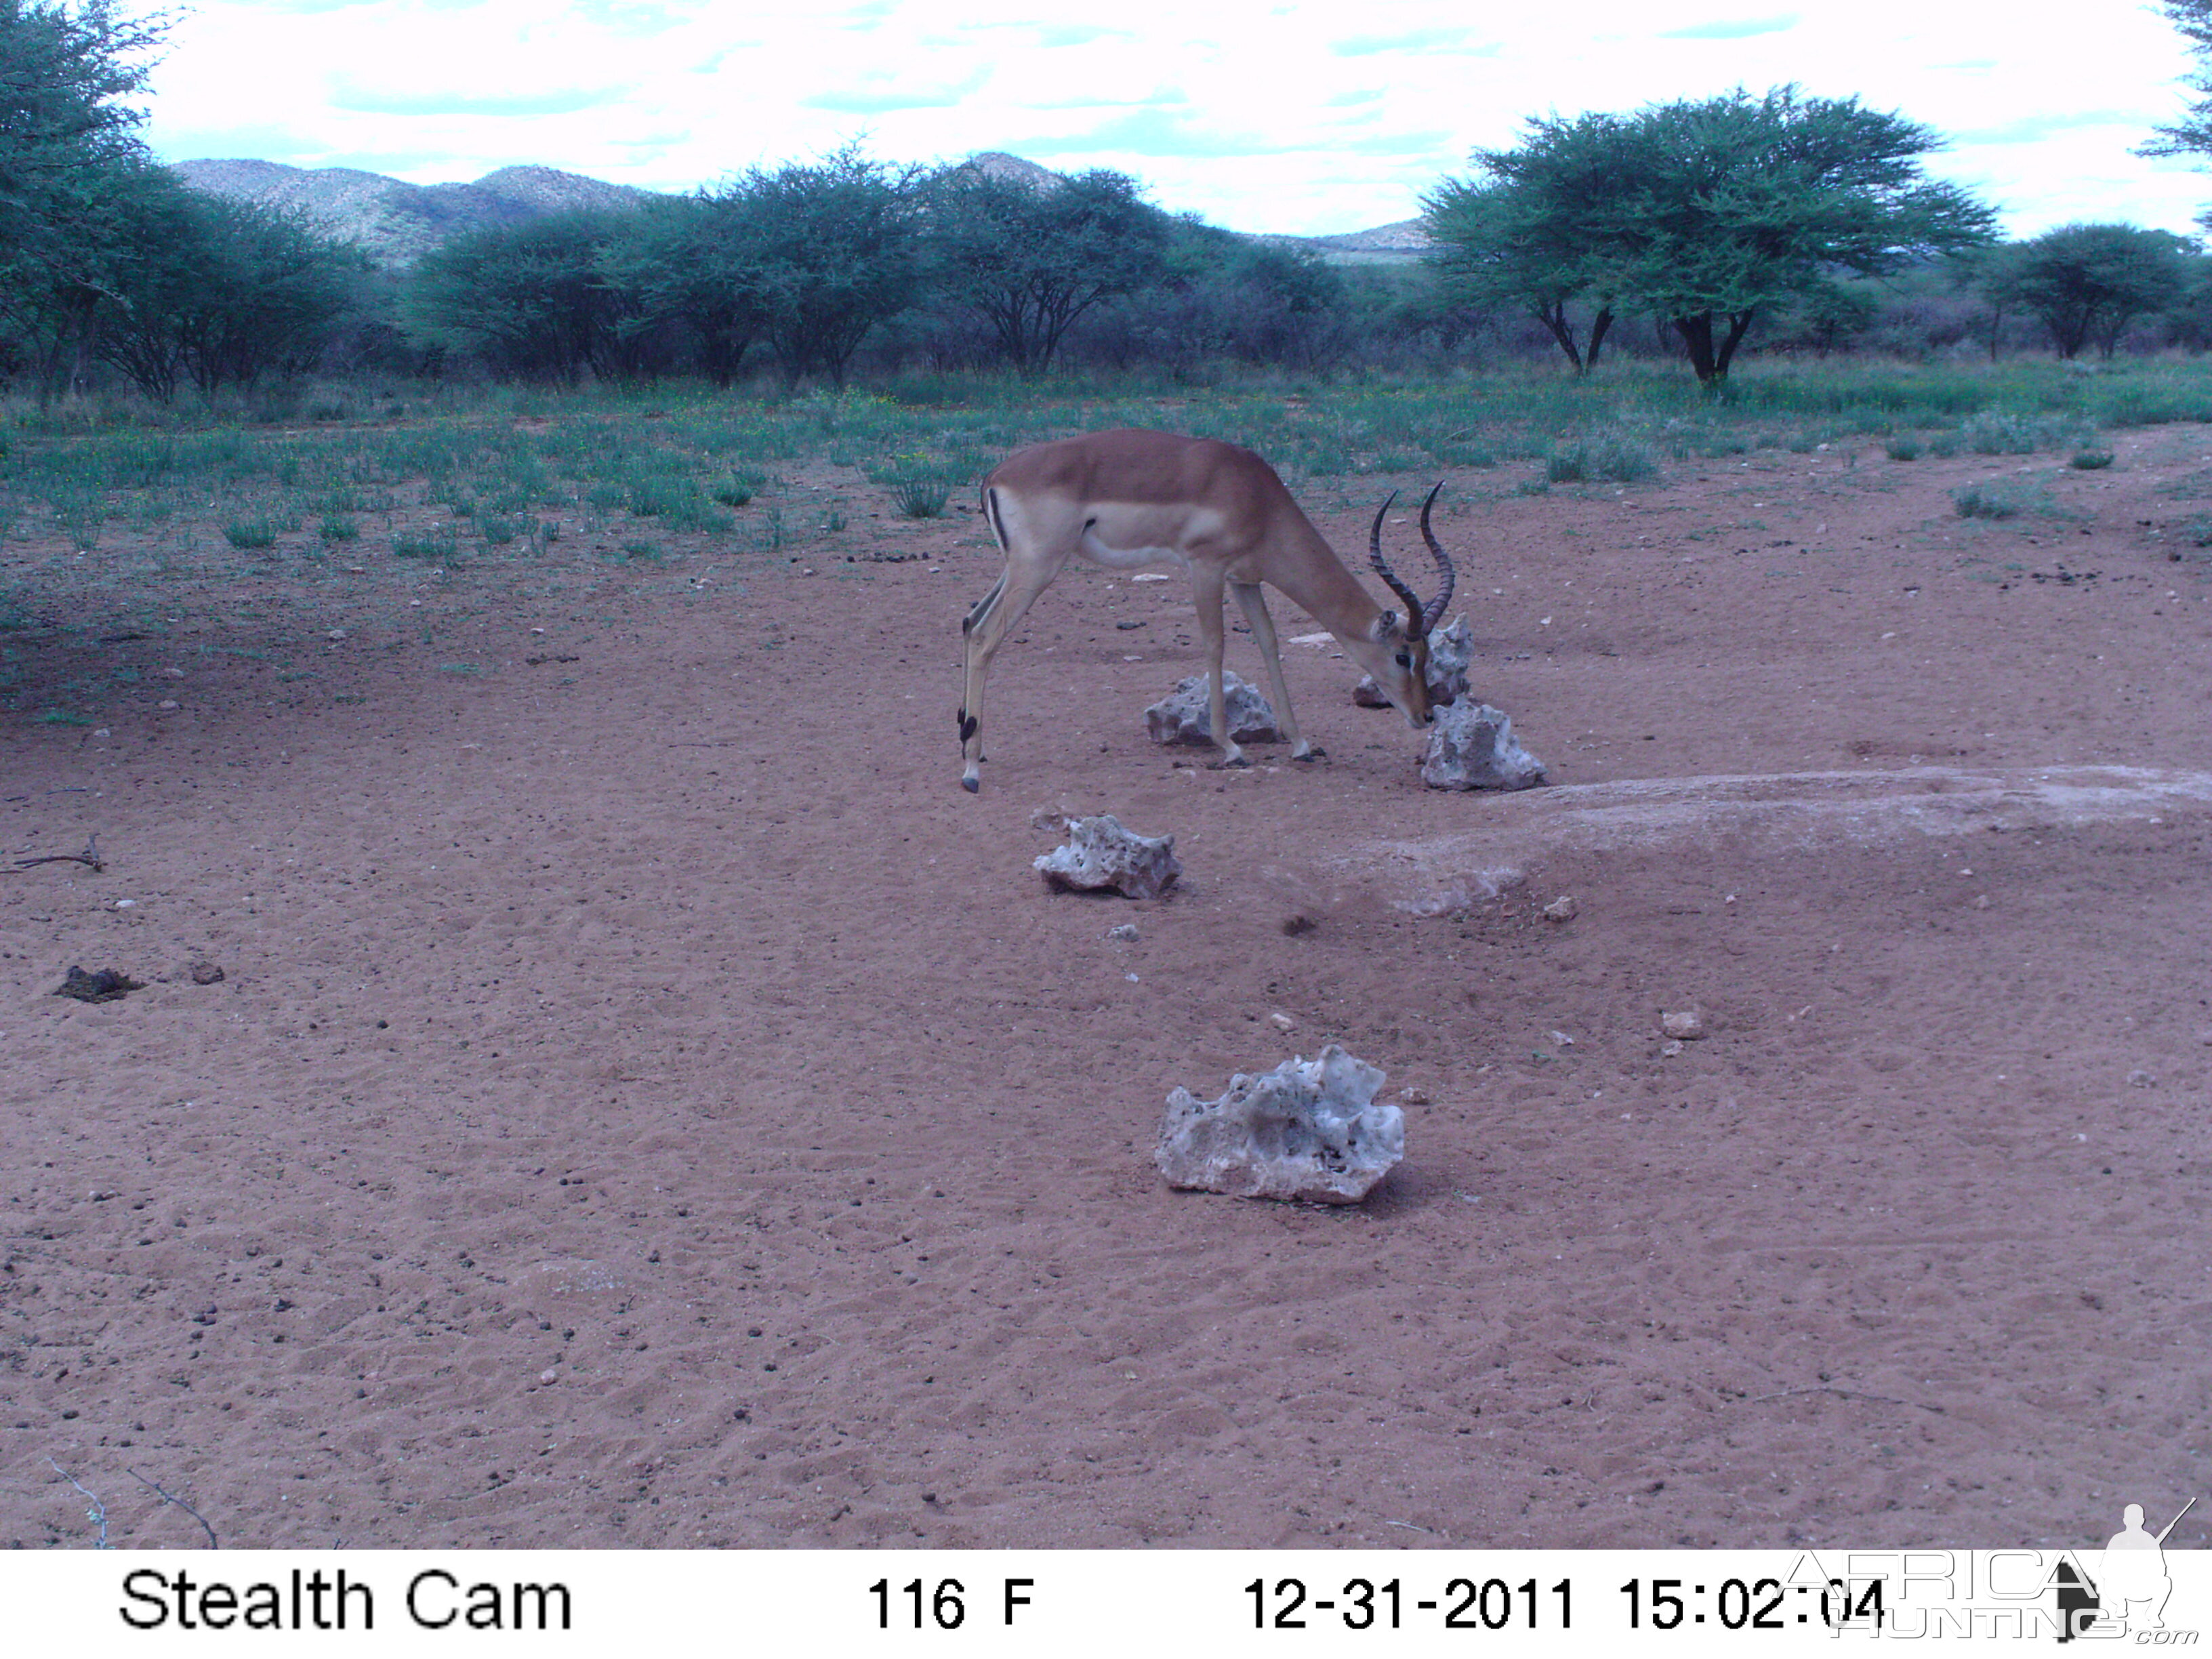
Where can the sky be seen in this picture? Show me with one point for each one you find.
(1307, 119)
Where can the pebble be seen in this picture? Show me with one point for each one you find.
(1670, 1049)
(1414, 1096)
(549, 1375)
(1687, 1023)
(1126, 933)
(1562, 908)
(1282, 1022)
(2141, 1079)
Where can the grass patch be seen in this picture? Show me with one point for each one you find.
(2000, 498)
(1608, 457)
(439, 545)
(252, 533)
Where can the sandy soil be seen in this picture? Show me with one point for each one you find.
(648, 1103)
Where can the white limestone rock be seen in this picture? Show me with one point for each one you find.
(1101, 856)
(1309, 1129)
(1450, 650)
(1181, 716)
(1472, 746)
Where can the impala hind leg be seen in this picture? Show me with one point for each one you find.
(1254, 604)
(986, 627)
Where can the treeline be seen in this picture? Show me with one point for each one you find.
(1697, 229)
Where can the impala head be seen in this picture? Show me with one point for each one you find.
(1397, 648)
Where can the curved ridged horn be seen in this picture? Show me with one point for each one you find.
(1406, 597)
(1435, 612)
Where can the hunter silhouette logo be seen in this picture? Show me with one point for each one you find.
(2131, 1585)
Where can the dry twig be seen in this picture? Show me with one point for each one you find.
(171, 1498)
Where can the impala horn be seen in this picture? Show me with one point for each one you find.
(1406, 597)
(1434, 613)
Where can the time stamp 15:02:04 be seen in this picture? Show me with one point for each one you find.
(1469, 1603)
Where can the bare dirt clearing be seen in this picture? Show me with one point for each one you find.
(647, 1102)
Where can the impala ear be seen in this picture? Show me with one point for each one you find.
(1386, 625)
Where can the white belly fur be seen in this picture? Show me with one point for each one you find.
(1129, 558)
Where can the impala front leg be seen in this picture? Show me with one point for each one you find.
(1254, 604)
(1206, 589)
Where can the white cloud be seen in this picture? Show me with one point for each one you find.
(1256, 113)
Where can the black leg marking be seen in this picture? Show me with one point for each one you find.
(968, 725)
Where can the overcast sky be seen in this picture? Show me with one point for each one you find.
(1307, 119)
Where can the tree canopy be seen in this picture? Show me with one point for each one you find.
(1030, 260)
(1706, 213)
(2087, 282)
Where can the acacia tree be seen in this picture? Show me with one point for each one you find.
(2089, 281)
(1514, 237)
(1710, 213)
(835, 251)
(71, 167)
(1030, 259)
(694, 263)
(2191, 135)
(530, 300)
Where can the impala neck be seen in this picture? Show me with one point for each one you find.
(1325, 588)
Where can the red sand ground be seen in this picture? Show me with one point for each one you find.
(649, 1104)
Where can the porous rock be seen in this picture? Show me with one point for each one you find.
(1472, 746)
(1450, 650)
(1310, 1129)
(1100, 856)
(1182, 716)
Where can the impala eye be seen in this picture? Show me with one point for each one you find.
(1404, 660)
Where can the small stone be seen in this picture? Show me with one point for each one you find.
(103, 733)
(1308, 1129)
(1101, 856)
(1125, 934)
(1282, 1022)
(126, 904)
(1183, 716)
(2141, 1079)
(1686, 1024)
(1561, 909)
(1670, 1049)
(549, 1375)
(173, 673)
(168, 702)
(1472, 746)
(1981, 901)
(1414, 1096)
(206, 973)
(1299, 922)
(340, 633)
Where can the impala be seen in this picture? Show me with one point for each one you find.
(1130, 499)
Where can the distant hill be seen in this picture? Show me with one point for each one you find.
(398, 222)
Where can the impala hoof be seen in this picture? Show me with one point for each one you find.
(1229, 762)
(973, 785)
(1311, 752)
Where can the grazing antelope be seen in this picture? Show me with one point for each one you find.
(1130, 499)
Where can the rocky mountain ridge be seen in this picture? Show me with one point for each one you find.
(398, 222)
